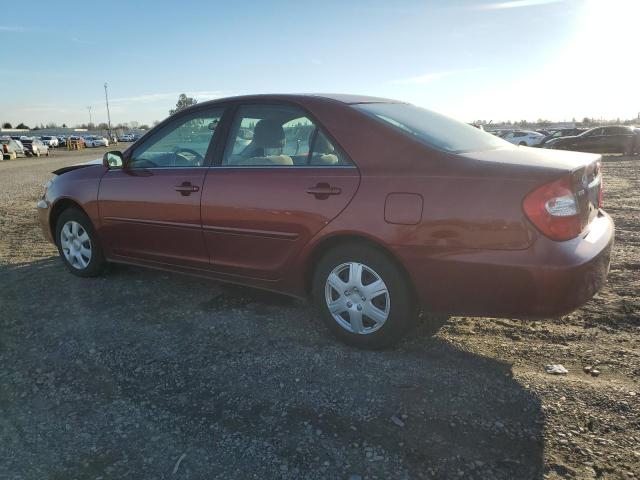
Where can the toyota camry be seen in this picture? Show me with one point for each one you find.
(379, 211)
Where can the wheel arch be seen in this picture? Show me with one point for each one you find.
(336, 240)
(57, 209)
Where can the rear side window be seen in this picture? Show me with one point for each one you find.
(432, 128)
(278, 136)
(617, 131)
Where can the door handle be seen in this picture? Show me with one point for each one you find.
(186, 188)
(322, 191)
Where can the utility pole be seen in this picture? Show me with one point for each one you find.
(106, 97)
(89, 108)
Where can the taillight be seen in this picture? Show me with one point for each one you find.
(4, 148)
(553, 209)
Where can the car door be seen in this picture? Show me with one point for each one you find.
(618, 139)
(280, 180)
(150, 209)
(591, 141)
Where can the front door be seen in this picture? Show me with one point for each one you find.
(150, 209)
(280, 181)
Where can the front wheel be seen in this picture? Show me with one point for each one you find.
(78, 244)
(363, 296)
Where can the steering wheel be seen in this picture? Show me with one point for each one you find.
(196, 160)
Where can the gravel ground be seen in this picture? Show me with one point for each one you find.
(142, 374)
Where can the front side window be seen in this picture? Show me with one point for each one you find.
(436, 130)
(181, 144)
(278, 136)
(593, 133)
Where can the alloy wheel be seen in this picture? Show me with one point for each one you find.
(357, 298)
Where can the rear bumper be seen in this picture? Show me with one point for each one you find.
(548, 279)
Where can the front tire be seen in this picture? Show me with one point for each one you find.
(78, 244)
(363, 296)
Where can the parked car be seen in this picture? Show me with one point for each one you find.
(320, 204)
(613, 139)
(126, 137)
(13, 145)
(62, 141)
(523, 137)
(563, 132)
(9, 148)
(50, 141)
(34, 147)
(94, 141)
(76, 139)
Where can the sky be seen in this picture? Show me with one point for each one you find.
(470, 59)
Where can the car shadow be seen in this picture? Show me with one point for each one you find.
(122, 374)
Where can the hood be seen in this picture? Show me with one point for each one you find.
(90, 163)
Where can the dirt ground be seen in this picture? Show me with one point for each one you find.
(144, 374)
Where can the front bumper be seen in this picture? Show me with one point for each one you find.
(44, 210)
(548, 279)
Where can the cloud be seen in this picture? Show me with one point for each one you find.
(82, 42)
(514, 4)
(10, 28)
(430, 77)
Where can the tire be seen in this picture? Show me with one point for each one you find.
(523, 144)
(395, 309)
(73, 244)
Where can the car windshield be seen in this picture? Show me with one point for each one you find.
(437, 130)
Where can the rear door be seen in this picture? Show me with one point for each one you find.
(279, 181)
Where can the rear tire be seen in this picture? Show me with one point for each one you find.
(78, 244)
(354, 281)
(523, 144)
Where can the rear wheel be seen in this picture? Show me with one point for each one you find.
(523, 144)
(78, 244)
(363, 296)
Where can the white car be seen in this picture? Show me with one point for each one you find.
(93, 141)
(50, 141)
(523, 137)
(126, 137)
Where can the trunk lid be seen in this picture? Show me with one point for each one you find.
(587, 186)
(584, 169)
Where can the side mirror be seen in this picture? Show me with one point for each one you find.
(113, 159)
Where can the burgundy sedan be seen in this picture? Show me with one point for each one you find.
(376, 209)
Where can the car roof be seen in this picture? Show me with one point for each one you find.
(348, 99)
